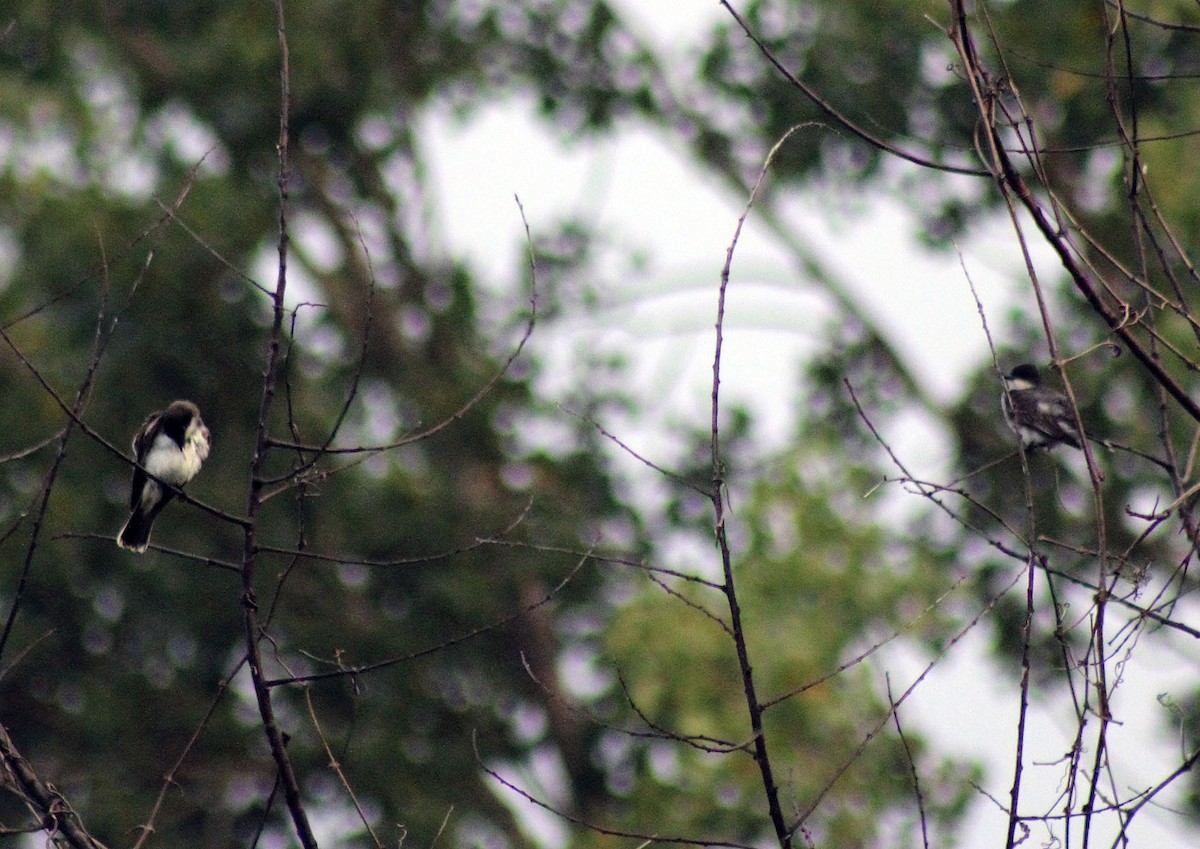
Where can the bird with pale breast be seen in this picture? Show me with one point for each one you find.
(1040, 417)
(170, 447)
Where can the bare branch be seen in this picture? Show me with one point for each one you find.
(838, 117)
(344, 671)
(754, 707)
(275, 737)
(58, 817)
(599, 829)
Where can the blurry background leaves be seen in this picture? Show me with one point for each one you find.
(109, 110)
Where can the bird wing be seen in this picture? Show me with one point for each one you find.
(1056, 420)
(142, 440)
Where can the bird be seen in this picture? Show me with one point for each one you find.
(1041, 418)
(169, 447)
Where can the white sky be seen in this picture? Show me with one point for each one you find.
(641, 191)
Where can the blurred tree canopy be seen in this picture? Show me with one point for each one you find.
(509, 576)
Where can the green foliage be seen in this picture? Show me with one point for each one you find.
(138, 208)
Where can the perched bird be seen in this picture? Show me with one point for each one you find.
(170, 445)
(1040, 417)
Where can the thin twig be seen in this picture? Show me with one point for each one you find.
(912, 766)
(58, 817)
(351, 671)
(754, 707)
(253, 630)
(594, 827)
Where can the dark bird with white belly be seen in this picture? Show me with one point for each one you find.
(1040, 417)
(169, 448)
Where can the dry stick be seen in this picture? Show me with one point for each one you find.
(615, 560)
(147, 828)
(874, 648)
(471, 402)
(1096, 655)
(1143, 611)
(301, 467)
(43, 503)
(912, 765)
(1031, 558)
(805, 258)
(21, 453)
(262, 692)
(82, 396)
(202, 559)
(895, 704)
(173, 214)
(694, 605)
(929, 491)
(58, 818)
(1129, 148)
(1181, 256)
(1183, 769)
(102, 268)
(30, 645)
(450, 419)
(1186, 516)
(441, 828)
(1163, 301)
(1012, 184)
(840, 118)
(666, 473)
(1011, 179)
(433, 557)
(336, 766)
(1172, 467)
(700, 742)
(353, 671)
(761, 757)
(1139, 188)
(268, 806)
(599, 829)
(703, 743)
(1147, 19)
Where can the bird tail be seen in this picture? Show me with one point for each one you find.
(136, 533)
